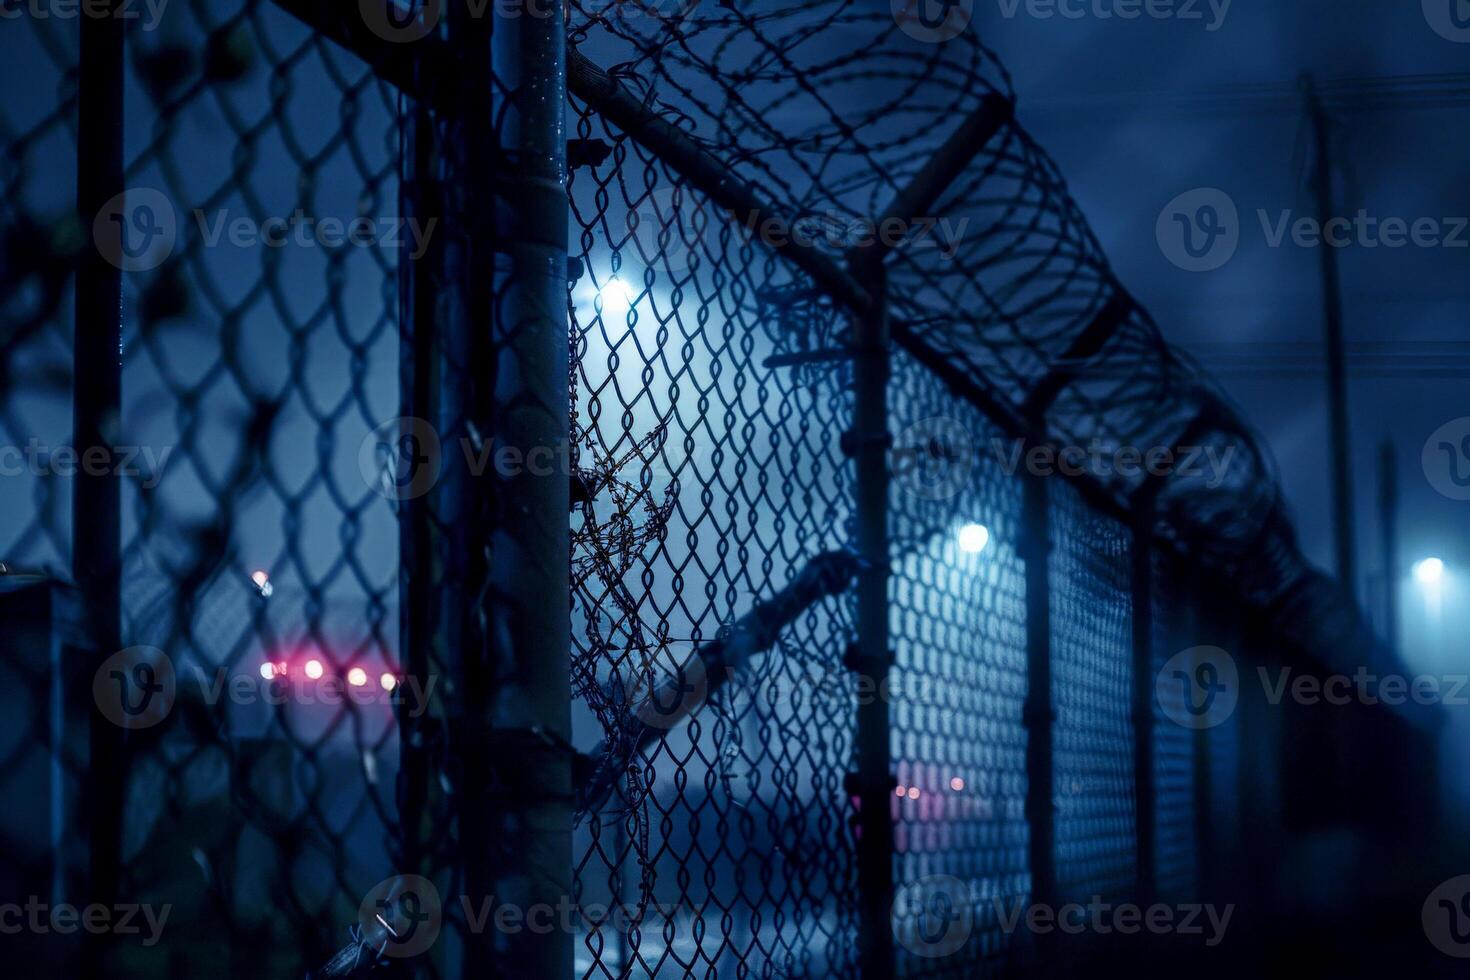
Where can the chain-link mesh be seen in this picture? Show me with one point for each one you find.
(262, 366)
(959, 679)
(709, 481)
(1092, 656)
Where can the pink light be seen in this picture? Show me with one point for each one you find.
(357, 677)
(388, 681)
(957, 784)
(899, 791)
(314, 669)
(913, 792)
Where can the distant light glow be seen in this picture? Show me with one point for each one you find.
(357, 677)
(617, 296)
(899, 791)
(262, 582)
(314, 669)
(1430, 571)
(973, 538)
(267, 670)
(913, 792)
(388, 681)
(957, 784)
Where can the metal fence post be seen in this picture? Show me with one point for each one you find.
(1145, 801)
(418, 277)
(97, 404)
(872, 656)
(1039, 713)
(525, 704)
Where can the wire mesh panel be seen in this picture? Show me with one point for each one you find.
(1092, 674)
(959, 679)
(709, 481)
(40, 238)
(41, 768)
(259, 350)
(1176, 853)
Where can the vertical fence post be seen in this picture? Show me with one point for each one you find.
(868, 442)
(528, 598)
(1144, 797)
(1039, 713)
(97, 405)
(419, 200)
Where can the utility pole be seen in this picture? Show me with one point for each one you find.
(1388, 508)
(1341, 462)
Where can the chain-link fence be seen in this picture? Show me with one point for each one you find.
(756, 347)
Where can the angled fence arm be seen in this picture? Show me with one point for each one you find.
(828, 574)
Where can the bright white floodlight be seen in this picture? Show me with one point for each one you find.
(1430, 571)
(973, 538)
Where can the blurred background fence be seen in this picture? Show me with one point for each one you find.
(899, 684)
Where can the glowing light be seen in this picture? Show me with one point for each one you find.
(267, 670)
(388, 681)
(617, 296)
(899, 791)
(913, 792)
(973, 538)
(357, 677)
(263, 583)
(314, 669)
(1429, 571)
(957, 784)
